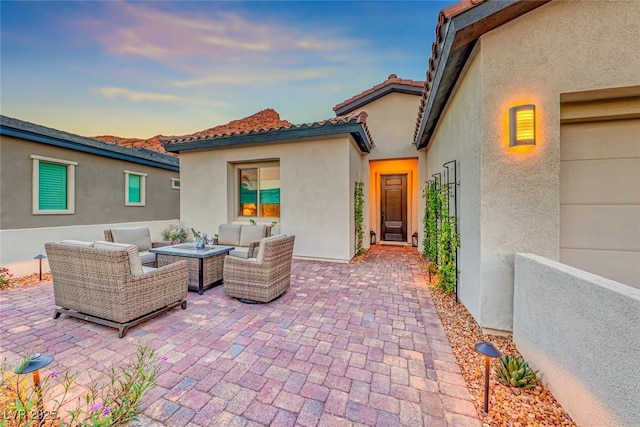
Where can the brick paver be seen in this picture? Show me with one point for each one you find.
(346, 344)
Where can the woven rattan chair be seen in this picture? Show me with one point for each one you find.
(139, 236)
(97, 285)
(264, 278)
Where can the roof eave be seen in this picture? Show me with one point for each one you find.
(356, 130)
(31, 136)
(462, 33)
(361, 102)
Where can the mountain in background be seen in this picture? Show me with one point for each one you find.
(265, 119)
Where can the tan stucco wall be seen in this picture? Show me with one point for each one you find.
(600, 198)
(458, 137)
(316, 191)
(391, 121)
(582, 332)
(99, 189)
(563, 46)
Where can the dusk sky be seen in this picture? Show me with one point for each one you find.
(137, 69)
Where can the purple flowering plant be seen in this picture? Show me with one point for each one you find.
(114, 399)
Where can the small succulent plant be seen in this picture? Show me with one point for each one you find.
(515, 372)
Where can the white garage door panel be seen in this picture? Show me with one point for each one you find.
(601, 140)
(600, 227)
(610, 181)
(623, 267)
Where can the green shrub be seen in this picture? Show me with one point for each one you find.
(515, 372)
(4, 277)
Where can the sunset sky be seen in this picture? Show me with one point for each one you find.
(137, 69)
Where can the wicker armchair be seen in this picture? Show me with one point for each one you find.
(98, 285)
(264, 278)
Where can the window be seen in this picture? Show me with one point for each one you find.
(134, 188)
(53, 186)
(175, 183)
(259, 190)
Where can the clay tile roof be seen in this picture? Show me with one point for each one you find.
(229, 131)
(370, 94)
(486, 21)
(446, 13)
(264, 120)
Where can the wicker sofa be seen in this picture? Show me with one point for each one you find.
(106, 283)
(243, 237)
(139, 236)
(263, 278)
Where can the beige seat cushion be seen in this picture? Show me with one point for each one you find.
(139, 236)
(135, 264)
(147, 257)
(78, 243)
(252, 233)
(239, 252)
(265, 240)
(229, 234)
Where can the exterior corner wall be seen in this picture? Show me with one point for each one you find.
(580, 331)
(458, 136)
(560, 47)
(314, 187)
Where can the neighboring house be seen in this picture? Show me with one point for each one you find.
(55, 185)
(572, 199)
(303, 176)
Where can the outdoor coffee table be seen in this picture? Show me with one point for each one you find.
(204, 265)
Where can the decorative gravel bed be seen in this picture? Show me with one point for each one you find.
(508, 406)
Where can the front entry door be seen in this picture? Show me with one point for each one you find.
(393, 207)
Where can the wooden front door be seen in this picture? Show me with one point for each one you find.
(393, 207)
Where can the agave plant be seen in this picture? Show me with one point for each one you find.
(515, 372)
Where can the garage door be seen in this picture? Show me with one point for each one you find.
(600, 193)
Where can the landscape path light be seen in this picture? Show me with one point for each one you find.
(40, 257)
(33, 364)
(488, 350)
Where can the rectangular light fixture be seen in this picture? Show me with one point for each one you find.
(522, 125)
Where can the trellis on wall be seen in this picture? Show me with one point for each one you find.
(441, 239)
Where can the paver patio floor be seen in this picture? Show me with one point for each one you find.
(346, 345)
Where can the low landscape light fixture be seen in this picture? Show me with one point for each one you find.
(488, 350)
(414, 239)
(40, 257)
(372, 237)
(522, 121)
(33, 364)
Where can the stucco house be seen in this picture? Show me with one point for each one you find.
(549, 224)
(303, 176)
(55, 185)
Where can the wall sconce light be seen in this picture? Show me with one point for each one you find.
(40, 257)
(522, 121)
(488, 350)
(372, 237)
(414, 239)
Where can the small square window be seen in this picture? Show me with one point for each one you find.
(259, 190)
(175, 183)
(134, 188)
(53, 184)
